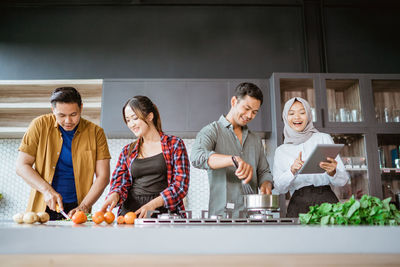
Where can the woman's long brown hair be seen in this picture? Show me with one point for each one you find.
(142, 106)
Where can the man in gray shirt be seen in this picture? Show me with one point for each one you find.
(218, 142)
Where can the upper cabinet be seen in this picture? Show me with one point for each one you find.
(361, 111)
(23, 100)
(341, 101)
(185, 105)
(341, 97)
(386, 96)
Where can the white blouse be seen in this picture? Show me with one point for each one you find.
(285, 155)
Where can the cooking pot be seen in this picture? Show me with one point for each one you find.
(259, 201)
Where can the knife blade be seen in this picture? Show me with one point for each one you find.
(65, 215)
(62, 212)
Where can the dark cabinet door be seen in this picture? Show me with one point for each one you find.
(115, 95)
(207, 100)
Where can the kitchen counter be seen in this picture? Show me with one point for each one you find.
(181, 239)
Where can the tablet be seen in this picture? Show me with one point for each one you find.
(320, 153)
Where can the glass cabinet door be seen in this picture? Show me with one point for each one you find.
(298, 87)
(343, 100)
(386, 100)
(389, 163)
(353, 156)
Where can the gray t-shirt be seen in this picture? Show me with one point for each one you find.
(225, 187)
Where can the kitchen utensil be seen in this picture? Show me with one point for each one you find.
(245, 187)
(332, 114)
(259, 201)
(355, 117)
(65, 215)
(343, 114)
(382, 160)
(347, 162)
(62, 212)
(313, 115)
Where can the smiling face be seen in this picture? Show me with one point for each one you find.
(244, 109)
(138, 126)
(67, 115)
(297, 117)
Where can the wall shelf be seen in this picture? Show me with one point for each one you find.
(23, 100)
(390, 170)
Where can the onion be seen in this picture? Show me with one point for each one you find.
(36, 218)
(29, 217)
(43, 217)
(18, 218)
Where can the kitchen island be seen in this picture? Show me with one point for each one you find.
(224, 244)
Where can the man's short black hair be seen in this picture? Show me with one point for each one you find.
(66, 95)
(249, 89)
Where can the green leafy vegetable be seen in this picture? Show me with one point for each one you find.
(89, 217)
(368, 211)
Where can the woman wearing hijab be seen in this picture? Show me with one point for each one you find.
(301, 137)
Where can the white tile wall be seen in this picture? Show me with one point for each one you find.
(16, 192)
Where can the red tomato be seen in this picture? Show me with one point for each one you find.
(98, 217)
(120, 220)
(79, 217)
(109, 217)
(130, 217)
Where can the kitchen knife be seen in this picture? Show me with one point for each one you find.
(62, 212)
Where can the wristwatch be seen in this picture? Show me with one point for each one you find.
(235, 162)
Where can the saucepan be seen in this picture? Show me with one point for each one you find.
(259, 201)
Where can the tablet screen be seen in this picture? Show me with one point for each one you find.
(320, 153)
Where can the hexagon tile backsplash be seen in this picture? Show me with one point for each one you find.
(16, 192)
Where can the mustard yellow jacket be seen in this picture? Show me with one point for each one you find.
(43, 140)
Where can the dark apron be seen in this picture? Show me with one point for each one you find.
(134, 202)
(149, 177)
(308, 196)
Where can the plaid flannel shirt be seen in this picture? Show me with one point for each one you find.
(178, 172)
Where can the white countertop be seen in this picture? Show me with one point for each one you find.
(65, 237)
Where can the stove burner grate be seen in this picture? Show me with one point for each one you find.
(237, 221)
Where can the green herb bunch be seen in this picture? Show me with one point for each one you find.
(368, 211)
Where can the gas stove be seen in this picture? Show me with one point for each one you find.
(259, 217)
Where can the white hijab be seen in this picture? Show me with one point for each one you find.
(292, 136)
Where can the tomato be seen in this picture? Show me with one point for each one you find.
(121, 220)
(130, 217)
(98, 217)
(79, 217)
(109, 217)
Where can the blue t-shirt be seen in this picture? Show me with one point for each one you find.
(64, 180)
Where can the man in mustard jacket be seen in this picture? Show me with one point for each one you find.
(59, 155)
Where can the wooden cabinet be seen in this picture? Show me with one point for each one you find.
(185, 105)
(386, 97)
(21, 101)
(361, 111)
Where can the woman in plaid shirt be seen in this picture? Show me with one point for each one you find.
(152, 173)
